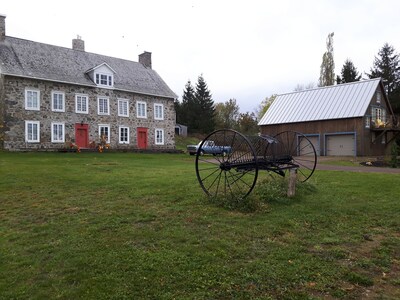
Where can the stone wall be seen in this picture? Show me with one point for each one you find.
(13, 100)
(2, 125)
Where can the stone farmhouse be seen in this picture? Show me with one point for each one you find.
(52, 97)
(352, 119)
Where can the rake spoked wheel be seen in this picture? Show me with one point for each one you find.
(293, 149)
(229, 168)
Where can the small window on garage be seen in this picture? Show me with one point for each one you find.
(367, 121)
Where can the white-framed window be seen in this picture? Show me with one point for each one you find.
(57, 101)
(32, 99)
(103, 106)
(379, 114)
(123, 135)
(123, 108)
(32, 131)
(367, 121)
(141, 109)
(378, 97)
(81, 104)
(158, 111)
(104, 79)
(57, 132)
(104, 130)
(159, 136)
(378, 117)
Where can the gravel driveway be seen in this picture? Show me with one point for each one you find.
(355, 168)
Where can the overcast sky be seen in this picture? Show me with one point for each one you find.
(247, 50)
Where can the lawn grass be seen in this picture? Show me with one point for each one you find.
(137, 226)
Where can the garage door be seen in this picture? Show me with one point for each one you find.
(306, 149)
(340, 145)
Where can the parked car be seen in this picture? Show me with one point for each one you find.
(209, 147)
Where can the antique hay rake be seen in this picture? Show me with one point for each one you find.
(234, 171)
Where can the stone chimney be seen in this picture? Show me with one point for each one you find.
(78, 44)
(2, 27)
(145, 59)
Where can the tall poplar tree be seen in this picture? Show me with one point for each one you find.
(327, 73)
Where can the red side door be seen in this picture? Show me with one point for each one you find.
(82, 135)
(142, 137)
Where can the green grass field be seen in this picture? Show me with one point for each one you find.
(137, 226)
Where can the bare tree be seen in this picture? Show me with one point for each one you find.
(302, 87)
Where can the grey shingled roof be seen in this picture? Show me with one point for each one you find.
(25, 58)
(332, 102)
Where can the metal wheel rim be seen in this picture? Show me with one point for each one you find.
(216, 177)
(301, 149)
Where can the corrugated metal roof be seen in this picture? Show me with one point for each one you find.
(331, 102)
(26, 58)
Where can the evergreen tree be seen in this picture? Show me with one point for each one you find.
(327, 73)
(184, 113)
(204, 109)
(178, 108)
(349, 73)
(386, 66)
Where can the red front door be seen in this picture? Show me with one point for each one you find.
(142, 137)
(82, 135)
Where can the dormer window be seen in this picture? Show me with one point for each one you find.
(104, 79)
(102, 75)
